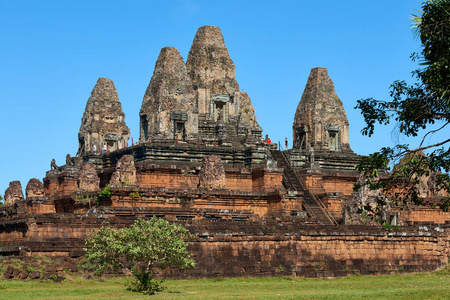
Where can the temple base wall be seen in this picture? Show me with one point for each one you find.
(230, 249)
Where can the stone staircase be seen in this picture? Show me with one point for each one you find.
(291, 181)
(230, 130)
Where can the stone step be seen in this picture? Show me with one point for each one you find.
(292, 182)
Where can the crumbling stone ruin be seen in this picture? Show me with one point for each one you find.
(88, 180)
(103, 125)
(13, 193)
(200, 162)
(212, 173)
(35, 188)
(125, 173)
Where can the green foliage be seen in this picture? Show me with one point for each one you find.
(432, 28)
(140, 248)
(53, 277)
(413, 108)
(83, 199)
(105, 193)
(135, 194)
(435, 285)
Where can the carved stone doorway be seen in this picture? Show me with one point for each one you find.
(180, 131)
(333, 141)
(220, 112)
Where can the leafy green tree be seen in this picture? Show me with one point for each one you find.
(140, 248)
(414, 108)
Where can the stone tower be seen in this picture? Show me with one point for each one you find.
(199, 100)
(169, 109)
(103, 121)
(320, 121)
(225, 113)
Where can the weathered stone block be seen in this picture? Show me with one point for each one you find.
(125, 173)
(13, 193)
(35, 188)
(88, 180)
(212, 173)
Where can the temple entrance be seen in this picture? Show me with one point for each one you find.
(144, 127)
(300, 139)
(220, 112)
(111, 146)
(180, 131)
(111, 141)
(333, 137)
(333, 140)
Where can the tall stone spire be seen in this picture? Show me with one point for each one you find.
(320, 121)
(209, 63)
(103, 121)
(169, 108)
(225, 113)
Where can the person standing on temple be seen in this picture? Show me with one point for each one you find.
(286, 143)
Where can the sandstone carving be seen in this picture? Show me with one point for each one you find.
(199, 100)
(69, 160)
(223, 109)
(212, 173)
(125, 173)
(363, 197)
(169, 109)
(320, 120)
(35, 188)
(53, 165)
(103, 123)
(88, 180)
(13, 193)
(426, 185)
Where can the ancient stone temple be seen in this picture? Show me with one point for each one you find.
(198, 101)
(225, 113)
(320, 121)
(169, 109)
(103, 124)
(254, 210)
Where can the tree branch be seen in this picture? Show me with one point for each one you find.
(431, 132)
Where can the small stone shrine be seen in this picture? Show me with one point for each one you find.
(103, 125)
(13, 193)
(320, 121)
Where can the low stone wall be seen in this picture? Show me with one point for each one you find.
(420, 215)
(227, 248)
(319, 253)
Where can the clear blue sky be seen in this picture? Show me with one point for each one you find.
(53, 52)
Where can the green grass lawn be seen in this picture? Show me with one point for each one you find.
(411, 286)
